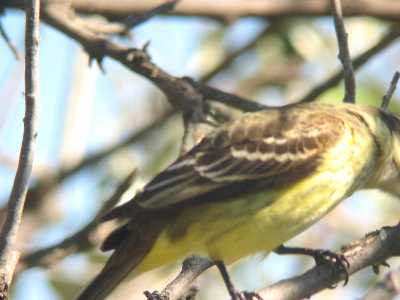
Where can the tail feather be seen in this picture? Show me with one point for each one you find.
(131, 247)
(104, 283)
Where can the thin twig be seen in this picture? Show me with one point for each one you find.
(180, 92)
(392, 34)
(386, 98)
(160, 9)
(123, 27)
(10, 45)
(9, 231)
(80, 241)
(344, 53)
(43, 186)
(270, 28)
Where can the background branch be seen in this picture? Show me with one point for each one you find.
(10, 45)
(229, 10)
(344, 53)
(48, 183)
(179, 91)
(387, 39)
(389, 93)
(82, 240)
(8, 237)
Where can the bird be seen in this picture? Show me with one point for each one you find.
(250, 185)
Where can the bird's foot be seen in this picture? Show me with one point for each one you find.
(154, 295)
(246, 296)
(338, 262)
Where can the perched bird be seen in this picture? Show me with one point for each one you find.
(250, 185)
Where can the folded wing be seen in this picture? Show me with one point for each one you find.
(258, 150)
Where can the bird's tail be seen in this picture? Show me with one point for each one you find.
(131, 247)
(103, 284)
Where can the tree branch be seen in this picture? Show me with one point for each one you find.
(392, 34)
(389, 93)
(232, 9)
(238, 8)
(344, 53)
(80, 241)
(48, 183)
(10, 45)
(270, 28)
(8, 236)
(372, 250)
(181, 92)
(158, 10)
(192, 267)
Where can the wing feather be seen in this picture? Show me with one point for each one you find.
(268, 148)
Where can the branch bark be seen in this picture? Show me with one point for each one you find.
(228, 10)
(344, 53)
(387, 39)
(8, 236)
(389, 93)
(181, 92)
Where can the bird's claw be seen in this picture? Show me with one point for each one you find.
(337, 262)
(154, 295)
(247, 296)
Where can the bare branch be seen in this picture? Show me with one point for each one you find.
(229, 99)
(238, 8)
(192, 267)
(392, 34)
(372, 250)
(8, 237)
(389, 93)
(160, 9)
(232, 9)
(385, 289)
(123, 26)
(45, 185)
(10, 45)
(181, 92)
(344, 53)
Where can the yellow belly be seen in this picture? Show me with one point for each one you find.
(235, 229)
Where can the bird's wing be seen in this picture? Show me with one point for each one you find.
(273, 147)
